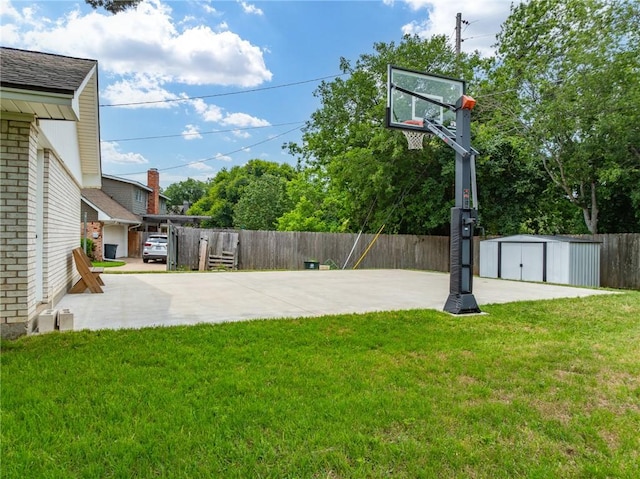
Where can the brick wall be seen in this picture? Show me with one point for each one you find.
(153, 182)
(94, 227)
(18, 183)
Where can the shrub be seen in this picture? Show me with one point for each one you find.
(91, 246)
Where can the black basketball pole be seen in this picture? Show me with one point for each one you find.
(463, 217)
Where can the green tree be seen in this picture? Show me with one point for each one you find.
(262, 202)
(367, 166)
(566, 83)
(514, 191)
(188, 191)
(314, 206)
(114, 6)
(227, 187)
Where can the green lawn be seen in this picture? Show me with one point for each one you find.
(538, 389)
(107, 264)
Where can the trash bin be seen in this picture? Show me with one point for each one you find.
(110, 251)
(312, 264)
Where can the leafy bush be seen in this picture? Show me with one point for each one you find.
(91, 246)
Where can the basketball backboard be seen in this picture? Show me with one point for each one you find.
(406, 111)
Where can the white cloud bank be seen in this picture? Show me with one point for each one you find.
(145, 47)
(111, 154)
(484, 16)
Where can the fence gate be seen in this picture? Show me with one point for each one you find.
(172, 248)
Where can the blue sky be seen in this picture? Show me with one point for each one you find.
(171, 52)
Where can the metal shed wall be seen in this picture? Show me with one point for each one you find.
(584, 264)
(564, 261)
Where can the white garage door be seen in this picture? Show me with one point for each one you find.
(522, 261)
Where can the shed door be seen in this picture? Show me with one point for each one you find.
(522, 261)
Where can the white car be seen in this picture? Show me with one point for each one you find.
(155, 248)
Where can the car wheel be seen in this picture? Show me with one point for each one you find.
(145, 260)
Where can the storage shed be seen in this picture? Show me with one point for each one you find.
(552, 259)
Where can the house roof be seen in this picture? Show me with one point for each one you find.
(133, 182)
(45, 85)
(177, 219)
(111, 209)
(56, 87)
(27, 70)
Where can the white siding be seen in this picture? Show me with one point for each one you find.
(61, 220)
(117, 234)
(63, 139)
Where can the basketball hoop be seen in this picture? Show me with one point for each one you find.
(414, 138)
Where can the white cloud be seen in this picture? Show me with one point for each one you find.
(251, 9)
(169, 178)
(485, 17)
(221, 157)
(110, 154)
(206, 6)
(241, 134)
(215, 114)
(199, 166)
(139, 89)
(243, 120)
(212, 113)
(142, 40)
(191, 132)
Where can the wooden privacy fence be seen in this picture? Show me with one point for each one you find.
(289, 250)
(273, 250)
(619, 259)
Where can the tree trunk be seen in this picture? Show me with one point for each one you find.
(591, 214)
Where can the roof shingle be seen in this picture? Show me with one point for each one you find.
(108, 205)
(37, 71)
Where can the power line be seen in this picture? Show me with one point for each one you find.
(479, 36)
(214, 157)
(120, 140)
(223, 94)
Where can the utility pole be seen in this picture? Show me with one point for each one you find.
(458, 33)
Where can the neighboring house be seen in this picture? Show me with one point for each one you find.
(137, 198)
(146, 202)
(117, 216)
(107, 222)
(49, 152)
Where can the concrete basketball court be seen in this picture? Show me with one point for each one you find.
(140, 300)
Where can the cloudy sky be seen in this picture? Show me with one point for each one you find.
(194, 86)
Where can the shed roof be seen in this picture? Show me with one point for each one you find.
(540, 239)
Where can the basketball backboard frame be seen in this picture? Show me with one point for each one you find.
(403, 105)
(443, 105)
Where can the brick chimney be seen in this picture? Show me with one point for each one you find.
(153, 182)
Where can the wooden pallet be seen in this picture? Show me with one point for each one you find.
(227, 260)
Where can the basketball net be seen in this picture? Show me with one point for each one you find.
(414, 138)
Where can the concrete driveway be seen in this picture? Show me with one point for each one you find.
(137, 265)
(143, 300)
